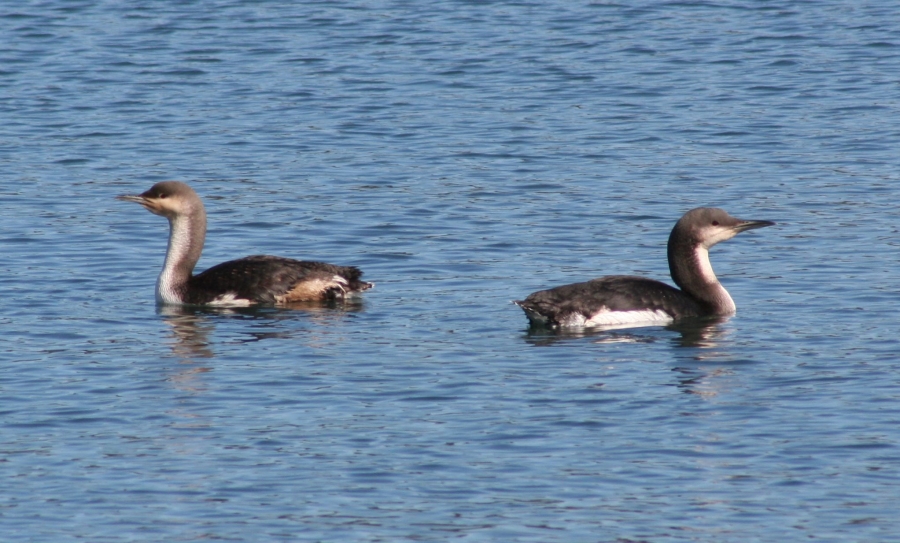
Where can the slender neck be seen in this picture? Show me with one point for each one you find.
(186, 235)
(692, 272)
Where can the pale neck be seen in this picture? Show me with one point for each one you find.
(186, 236)
(692, 272)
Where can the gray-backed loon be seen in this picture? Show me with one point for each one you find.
(623, 301)
(259, 279)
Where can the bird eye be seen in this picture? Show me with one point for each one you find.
(161, 196)
(715, 223)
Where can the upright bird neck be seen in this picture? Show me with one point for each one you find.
(692, 272)
(186, 236)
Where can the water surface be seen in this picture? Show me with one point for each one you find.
(463, 155)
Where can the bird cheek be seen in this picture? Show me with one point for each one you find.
(164, 207)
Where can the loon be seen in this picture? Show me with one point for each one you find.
(259, 279)
(624, 301)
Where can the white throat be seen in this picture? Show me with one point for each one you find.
(181, 257)
(706, 274)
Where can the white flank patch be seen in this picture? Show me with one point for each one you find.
(622, 319)
(230, 299)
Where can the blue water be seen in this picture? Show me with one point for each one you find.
(463, 154)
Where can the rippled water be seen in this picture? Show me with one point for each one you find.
(463, 154)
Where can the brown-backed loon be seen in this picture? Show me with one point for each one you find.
(622, 301)
(259, 279)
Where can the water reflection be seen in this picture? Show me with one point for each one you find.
(706, 333)
(700, 332)
(190, 332)
(702, 357)
(706, 367)
(192, 325)
(703, 382)
(193, 331)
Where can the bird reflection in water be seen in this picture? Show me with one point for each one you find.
(192, 326)
(703, 367)
(702, 361)
(190, 344)
(703, 332)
